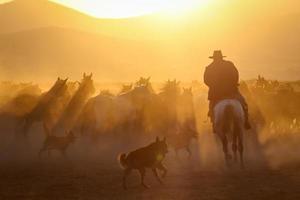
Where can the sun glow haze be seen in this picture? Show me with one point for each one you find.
(130, 8)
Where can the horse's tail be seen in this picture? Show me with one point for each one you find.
(229, 112)
(228, 117)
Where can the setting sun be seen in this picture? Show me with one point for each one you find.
(150, 99)
(126, 8)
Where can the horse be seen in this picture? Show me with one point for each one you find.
(116, 114)
(44, 105)
(71, 113)
(229, 118)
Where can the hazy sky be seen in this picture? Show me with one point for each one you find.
(252, 33)
(125, 8)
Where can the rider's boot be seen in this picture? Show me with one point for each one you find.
(242, 100)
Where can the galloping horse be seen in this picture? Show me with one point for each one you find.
(229, 119)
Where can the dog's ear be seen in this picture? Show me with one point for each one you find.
(165, 139)
(157, 139)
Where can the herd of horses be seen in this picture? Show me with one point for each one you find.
(137, 110)
(274, 105)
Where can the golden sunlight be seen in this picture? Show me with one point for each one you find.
(130, 8)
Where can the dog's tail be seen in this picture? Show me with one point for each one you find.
(123, 160)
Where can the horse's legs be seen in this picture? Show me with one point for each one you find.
(188, 150)
(176, 152)
(225, 147)
(26, 127)
(234, 146)
(241, 148)
(63, 153)
(41, 151)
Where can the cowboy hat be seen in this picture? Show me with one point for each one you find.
(217, 54)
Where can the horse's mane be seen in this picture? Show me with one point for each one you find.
(76, 104)
(171, 88)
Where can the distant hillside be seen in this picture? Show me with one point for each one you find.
(52, 51)
(42, 38)
(21, 15)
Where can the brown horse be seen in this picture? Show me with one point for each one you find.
(121, 113)
(40, 111)
(73, 110)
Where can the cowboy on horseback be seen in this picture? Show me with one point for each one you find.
(222, 78)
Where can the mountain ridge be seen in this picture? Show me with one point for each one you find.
(140, 45)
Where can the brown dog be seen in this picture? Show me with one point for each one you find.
(182, 140)
(150, 156)
(57, 143)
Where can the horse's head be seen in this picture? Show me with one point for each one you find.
(87, 85)
(143, 82)
(126, 88)
(187, 93)
(171, 89)
(59, 87)
(141, 95)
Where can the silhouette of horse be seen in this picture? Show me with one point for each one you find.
(59, 104)
(186, 108)
(145, 82)
(122, 113)
(186, 129)
(39, 112)
(73, 110)
(170, 95)
(126, 88)
(229, 122)
(11, 91)
(161, 112)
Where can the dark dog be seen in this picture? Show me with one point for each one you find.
(150, 156)
(182, 140)
(57, 143)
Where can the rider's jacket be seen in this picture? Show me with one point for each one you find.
(222, 78)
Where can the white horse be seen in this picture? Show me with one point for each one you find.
(229, 118)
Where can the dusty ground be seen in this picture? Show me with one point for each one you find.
(69, 179)
(94, 173)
